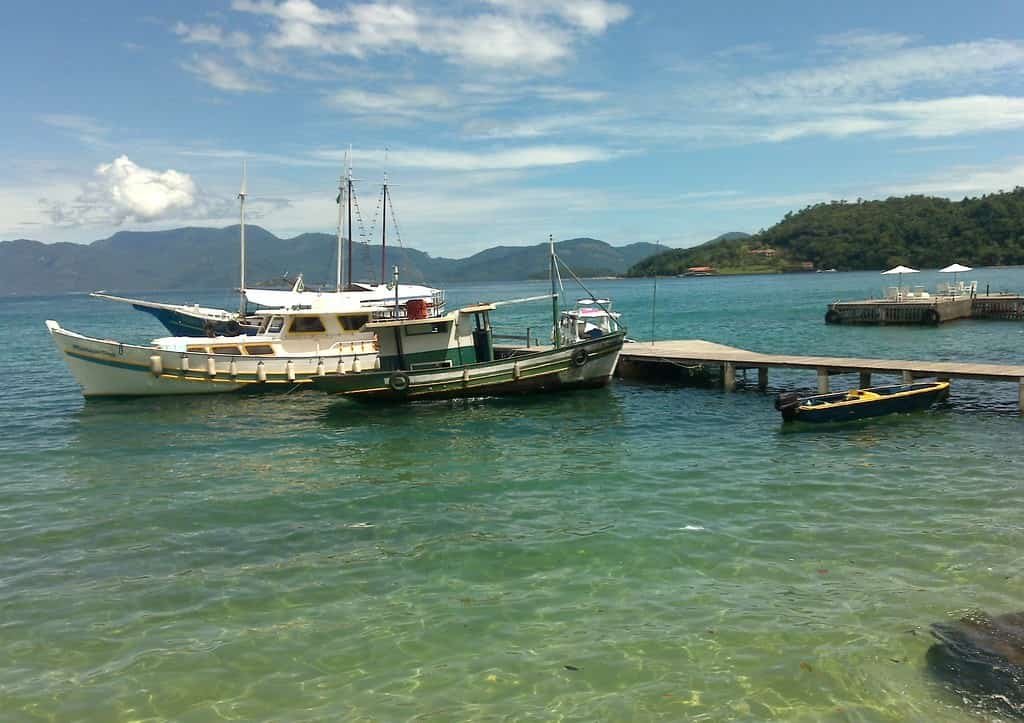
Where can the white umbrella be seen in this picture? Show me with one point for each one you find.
(900, 270)
(954, 269)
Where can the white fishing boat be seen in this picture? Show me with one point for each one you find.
(196, 320)
(291, 347)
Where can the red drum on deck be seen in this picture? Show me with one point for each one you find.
(416, 308)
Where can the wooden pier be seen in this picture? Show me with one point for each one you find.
(644, 360)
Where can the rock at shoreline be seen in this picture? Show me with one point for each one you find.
(981, 659)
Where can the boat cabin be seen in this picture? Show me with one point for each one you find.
(456, 339)
(591, 319)
(296, 330)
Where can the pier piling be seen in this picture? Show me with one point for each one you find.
(762, 379)
(822, 380)
(865, 380)
(729, 377)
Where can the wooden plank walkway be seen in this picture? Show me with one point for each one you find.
(693, 352)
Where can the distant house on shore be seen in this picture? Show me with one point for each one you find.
(807, 265)
(700, 271)
(767, 253)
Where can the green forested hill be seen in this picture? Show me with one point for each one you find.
(919, 231)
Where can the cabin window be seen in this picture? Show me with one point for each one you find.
(275, 325)
(259, 350)
(306, 324)
(353, 323)
(226, 350)
(437, 327)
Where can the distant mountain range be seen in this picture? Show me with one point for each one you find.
(207, 258)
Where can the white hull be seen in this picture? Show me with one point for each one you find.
(108, 368)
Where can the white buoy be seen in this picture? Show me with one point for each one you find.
(233, 368)
(289, 369)
(211, 366)
(341, 365)
(465, 376)
(515, 371)
(156, 365)
(320, 371)
(261, 372)
(356, 366)
(376, 362)
(184, 363)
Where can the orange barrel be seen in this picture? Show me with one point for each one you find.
(416, 309)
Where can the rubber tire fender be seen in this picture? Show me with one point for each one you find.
(209, 329)
(399, 382)
(579, 356)
(832, 317)
(232, 328)
(931, 317)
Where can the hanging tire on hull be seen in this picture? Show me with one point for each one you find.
(833, 317)
(931, 317)
(232, 328)
(579, 357)
(399, 382)
(209, 329)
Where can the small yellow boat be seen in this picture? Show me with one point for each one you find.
(861, 403)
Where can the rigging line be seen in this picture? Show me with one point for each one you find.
(394, 221)
(597, 299)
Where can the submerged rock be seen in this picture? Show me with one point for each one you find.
(981, 659)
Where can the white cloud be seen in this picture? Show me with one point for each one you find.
(886, 73)
(522, 34)
(964, 181)
(211, 35)
(409, 101)
(865, 41)
(87, 130)
(215, 73)
(121, 191)
(517, 159)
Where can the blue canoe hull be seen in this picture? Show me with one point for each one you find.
(866, 403)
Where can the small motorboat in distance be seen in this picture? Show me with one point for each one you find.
(861, 403)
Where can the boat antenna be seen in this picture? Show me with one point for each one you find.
(555, 335)
(348, 188)
(654, 292)
(384, 224)
(241, 232)
(341, 253)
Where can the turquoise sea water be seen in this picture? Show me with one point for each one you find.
(635, 553)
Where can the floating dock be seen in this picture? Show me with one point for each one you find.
(928, 310)
(662, 359)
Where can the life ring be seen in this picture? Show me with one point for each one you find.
(233, 328)
(579, 356)
(931, 317)
(399, 381)
(832, 316)
(209, 329)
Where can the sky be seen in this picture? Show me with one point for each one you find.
(500, 121)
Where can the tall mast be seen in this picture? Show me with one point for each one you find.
(555, 335)
(241, 230)
(384, 231)
(341, 248)
(348, 188)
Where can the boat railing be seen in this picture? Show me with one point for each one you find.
(529, 338)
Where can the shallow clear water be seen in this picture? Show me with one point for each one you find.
(640, 552)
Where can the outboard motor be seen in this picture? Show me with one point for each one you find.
(787, 403)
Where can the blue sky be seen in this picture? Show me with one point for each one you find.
(504, 120)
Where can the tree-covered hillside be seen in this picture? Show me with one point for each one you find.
(918, 231)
